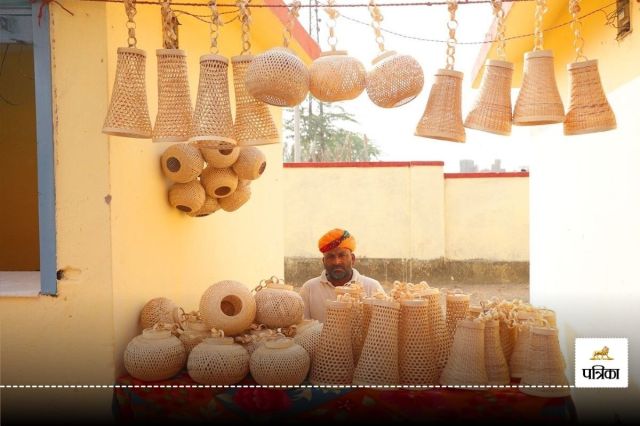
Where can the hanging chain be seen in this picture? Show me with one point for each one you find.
(452, 25)
(377, 18)
(214, 26)
(541, 9)
(245, 19)
(576, 27)
(333, 15)
(130, 8)
(169, 23)
(294, 12)
(498, 12)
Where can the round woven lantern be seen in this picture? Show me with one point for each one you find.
(395, 80)
(442, 117)
(220, 157)
(544, 372)
(154, 355)
(278, 77)
(218, 361)
(228, 306)
(219, 183)
(210, 206)
(250, 164)
(308, 335)
(466, 363)
(334, 77)
(279, 361)
(236, 200)
(182, 162)
(277, 305)
(159, 310)
(187, 197)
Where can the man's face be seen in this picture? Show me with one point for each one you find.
(338, 263)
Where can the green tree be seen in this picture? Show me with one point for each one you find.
(324, 139)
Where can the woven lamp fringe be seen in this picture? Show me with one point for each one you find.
(396, 79)
(128, 114)
(538, 101)
(334, 77)
(187, 197)
(492, 109)
(442, 117)
(182, 162)
(589, 111)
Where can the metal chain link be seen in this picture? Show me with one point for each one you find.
(294, 12)
(541, 9)
(498, 12)
(331, 23)
(214, 26)
(130, 8)
(452, 25)
(576, 27)
(377, 18)
(245, 19)
(169, 20)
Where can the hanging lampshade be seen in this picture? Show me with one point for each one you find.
(395, 80)
(539, 101)
(254, 124)
(182, 162)
(442, 117)
(492, 109)
(187, 197)
(212, 120)
(209, 206)
(220, 157)
(219, 183)
(589, 110)
(335, 76)
(251, 163)
(237, 199)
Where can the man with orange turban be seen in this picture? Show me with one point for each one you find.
(337, 247)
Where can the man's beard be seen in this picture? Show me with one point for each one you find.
(339, 273)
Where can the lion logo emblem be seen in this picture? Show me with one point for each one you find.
(602, 354)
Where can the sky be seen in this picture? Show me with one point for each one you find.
(393, 129)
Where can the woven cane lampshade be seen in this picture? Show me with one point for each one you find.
(237, 199)
(589, 110)
(466, 363)
(218, 361)
(492, 109)
(335, 76)
(212, 120)
(519, 360)
(494, 360)
(228, 306)
(219, 183)
(251, 163)
(439, 344)
(182, 162)
(457, 309)
(256, 336)
(195, 331)
(442, 117)
(279, 361)
(415, 349)
(159, 310)
(545, 365)
(395, 80)
(277, 305)
(308, 335)
(210, 206)
(154, 355)
(508, 336)
(187, 197)
(220, 157)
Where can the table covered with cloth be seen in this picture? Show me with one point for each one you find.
(174, 400)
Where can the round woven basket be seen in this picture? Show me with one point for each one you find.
(228, 306)
(187, 197)
(466, 363)
(220, 157)
(174, 120)
(128, 114)
(494, 360)
(308, 335)
(210, 205)
(334, 77)
(278, 77)
(218, 361)
(279, 362)
(239, 198)
(219, 183)
(442, 117)
(415, 343)
(182, 162)
(250, 164)
(545, 365)
(395, 80)
(159, 310)
(277, 305)
(154, 355)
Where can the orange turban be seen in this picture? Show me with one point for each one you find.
(336, 238)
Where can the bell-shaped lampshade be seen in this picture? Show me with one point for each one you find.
(442, 117)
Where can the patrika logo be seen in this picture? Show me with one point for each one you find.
(607, 367)
(602, 354)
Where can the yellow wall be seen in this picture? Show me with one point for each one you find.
(19, 246)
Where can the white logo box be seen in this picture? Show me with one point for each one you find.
(606, 371)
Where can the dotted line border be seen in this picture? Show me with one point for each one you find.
(284, 386)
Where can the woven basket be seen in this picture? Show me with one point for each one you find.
(210, 205)
(128, 114)
(219, 183)
(277, 305)
(492, 109)
(518, 360)
(279, 362)
(182, 162)
(254, 124)
(308, 335)
(278, 77)
(218, 361)
(251, 163)
(395, 80)
(539, 101)
(378, 363)
(159, 310)
(545, 366)
(220, 158)
(228, 306)
(415, 349)
(236, 200)
(174, 120)
(466, 363)
(589, 110)
(195, 331)
(154, 355)
(442, 117)
(494, 360)
(212, 120)
(333, 360)
(457, 309)
(187, 197)
(334, 77)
